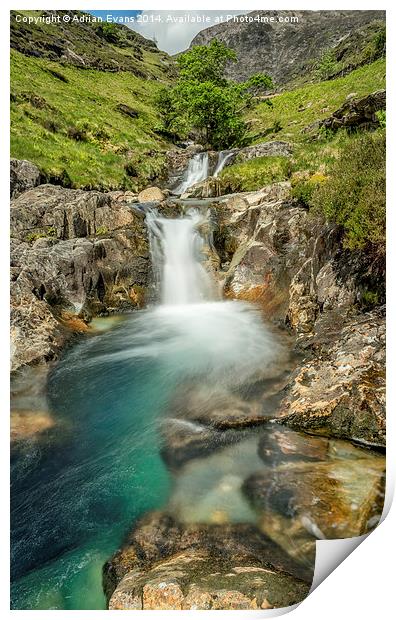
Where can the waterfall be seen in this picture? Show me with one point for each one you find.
(224, 156)
(198, 170)
(176, 251)
(224, 340)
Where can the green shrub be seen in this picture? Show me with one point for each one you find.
(327, 66)
(354, 194)
(303, 189)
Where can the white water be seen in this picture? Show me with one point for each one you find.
(198, 170)
(223, 158)
(190, 328)
(176, 252)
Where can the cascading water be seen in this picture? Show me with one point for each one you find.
(198, 170)
(227, 337)
(222, 160)
(176, 251)
(100, 468)
(79, 489)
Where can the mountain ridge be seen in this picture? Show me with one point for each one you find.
(284, 50)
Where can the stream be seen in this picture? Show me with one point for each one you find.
(115, 395)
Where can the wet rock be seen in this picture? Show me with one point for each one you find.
(216, 407)
(202, 420)
(209, 188)
(74, 254)
(300, 502)
(285, 446)
(184, 440)
(23, 176)
(151, 194)
(269, 238)
(341, 392)
(198, 566)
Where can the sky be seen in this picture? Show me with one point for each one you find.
(173, 30)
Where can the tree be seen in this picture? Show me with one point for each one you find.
(205, 102)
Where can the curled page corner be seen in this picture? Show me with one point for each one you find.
(330, 554)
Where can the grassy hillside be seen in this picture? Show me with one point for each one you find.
(87, 118)
(290, 113)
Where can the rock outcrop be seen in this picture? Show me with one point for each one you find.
(73, 254)
(289, 263)
(283, 43)
(355, 113)
(23, 176)
(341, 391)
(274, 148)
(167, 565)
(73, 38)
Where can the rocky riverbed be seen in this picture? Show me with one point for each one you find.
(81, 254)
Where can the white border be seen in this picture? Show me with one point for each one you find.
(362, 585)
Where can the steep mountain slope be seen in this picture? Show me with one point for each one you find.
(82, 101)
(288, 51)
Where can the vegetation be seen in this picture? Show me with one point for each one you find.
(254, 174)
(362, 46)
(354, 193)
(294, 110)
(67, 121)
(205, 102)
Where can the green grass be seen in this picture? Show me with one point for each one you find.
(294, 110)
(254, 174)
(46, 111)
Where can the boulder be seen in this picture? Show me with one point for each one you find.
(23, 176)
(167, 565)
(73, 252)
(301, 501)
(341, 391)
(209, 188)
(265, 149)
(151, 194)
(355, 113)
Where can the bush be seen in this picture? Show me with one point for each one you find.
(327, 66)
(303, 188)
(354, 194)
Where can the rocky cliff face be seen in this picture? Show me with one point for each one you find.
(74, 254)
(284, 50)
(278, 256)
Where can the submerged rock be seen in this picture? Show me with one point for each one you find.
(168, 565)
(26, 424)
(284, 446)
